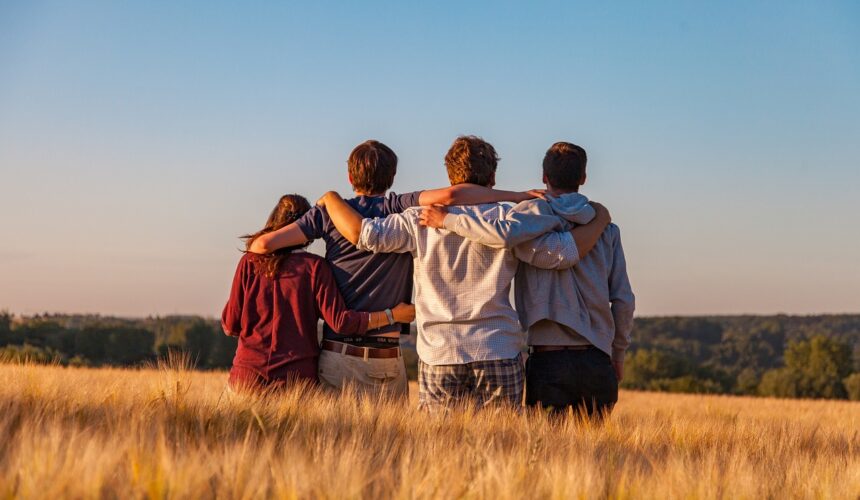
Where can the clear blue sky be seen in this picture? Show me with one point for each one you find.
(137, 140)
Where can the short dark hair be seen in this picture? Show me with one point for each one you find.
(564, 165)
(372, 166)
(471, 160)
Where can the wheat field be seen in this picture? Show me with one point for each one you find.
(171, 432)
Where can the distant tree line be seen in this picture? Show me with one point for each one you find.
(781, 356)
(91, 340)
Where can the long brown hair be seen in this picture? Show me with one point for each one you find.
(288, 210)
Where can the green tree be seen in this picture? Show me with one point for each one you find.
(90, 344)
(646, 365)
(29, 354)
(852, 386)
(747, 381)
(118, 345)
(222, 351)
(5, 327)
(780, 383)
(814, 368)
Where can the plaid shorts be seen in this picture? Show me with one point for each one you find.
(482, 383)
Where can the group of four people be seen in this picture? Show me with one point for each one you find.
(461, 248)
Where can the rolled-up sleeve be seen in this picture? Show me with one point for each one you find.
(556, 250)
(393, 234)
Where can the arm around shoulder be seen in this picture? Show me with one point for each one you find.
(288, 236)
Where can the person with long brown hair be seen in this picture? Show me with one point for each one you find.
(275, 303)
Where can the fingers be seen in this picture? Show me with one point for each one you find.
(601, 211)
(432, 217)
(538, 193)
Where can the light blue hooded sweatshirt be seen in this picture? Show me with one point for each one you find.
(594, 298)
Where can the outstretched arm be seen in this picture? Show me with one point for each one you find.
(473, 194)
(288, 236)
(526, 234)
(345, 218)
(508, 231)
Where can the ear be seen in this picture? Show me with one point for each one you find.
(349, 176)
(492, 179)
(545, 181)
(584, 177)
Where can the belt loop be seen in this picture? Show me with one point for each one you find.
(343, 349)
(366, 353)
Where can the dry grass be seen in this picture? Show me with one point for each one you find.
(173, 433)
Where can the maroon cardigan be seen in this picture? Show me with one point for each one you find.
(276, 318)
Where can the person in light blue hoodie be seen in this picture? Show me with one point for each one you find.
(579, 319)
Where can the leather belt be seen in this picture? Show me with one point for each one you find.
(548, 348)
(361, 352)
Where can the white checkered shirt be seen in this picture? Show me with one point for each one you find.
(462, 288)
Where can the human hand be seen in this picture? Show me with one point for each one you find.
(433, 216)
(601, 213)
(534, 193)
(403, 313)
(618, 366)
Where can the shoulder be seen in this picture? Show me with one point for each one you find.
(247, 259)
(314, 212)
(310, 221)
(535, 206)
(308, 258)
(306, 262)
(395, 203)
(612, 233)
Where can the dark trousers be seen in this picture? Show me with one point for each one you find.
(583, 380)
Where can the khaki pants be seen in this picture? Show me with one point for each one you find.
(375, 376)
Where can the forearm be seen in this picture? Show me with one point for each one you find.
(515, 229)
(287, 236)
(553, 251)
(473, 194)
(622, 307)
(622, 314)
(392, 234)
(344, 217)
(588, 235)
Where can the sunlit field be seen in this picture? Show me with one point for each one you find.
(175, 433)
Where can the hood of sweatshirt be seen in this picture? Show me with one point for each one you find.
(573, 207)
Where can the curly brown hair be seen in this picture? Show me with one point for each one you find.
(372, 166)
(288, 210)
(471, 160)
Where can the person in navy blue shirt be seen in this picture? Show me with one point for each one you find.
(371, 282)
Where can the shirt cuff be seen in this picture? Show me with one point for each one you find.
(364, 324)
(367, 236)
(450, 222)
(569, 250)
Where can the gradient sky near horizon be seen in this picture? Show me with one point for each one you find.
(138, 140)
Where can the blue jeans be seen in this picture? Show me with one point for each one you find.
(582, 380)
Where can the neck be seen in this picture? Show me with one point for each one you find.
(361, 193)
(558, 192)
